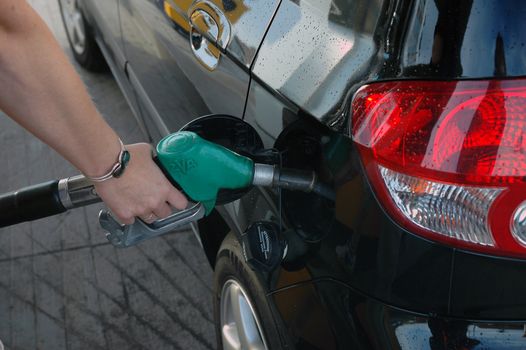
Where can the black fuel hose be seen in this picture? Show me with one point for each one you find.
(30, 203)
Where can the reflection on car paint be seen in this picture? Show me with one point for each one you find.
(314, 51)
(418, 335)
(345, 319)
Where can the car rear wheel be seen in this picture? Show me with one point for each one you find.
(242, 315)
(80, 36)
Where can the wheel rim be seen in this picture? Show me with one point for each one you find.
(74, 24)
(240, 327)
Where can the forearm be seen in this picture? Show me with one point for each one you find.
(40, 90)
(43, 93)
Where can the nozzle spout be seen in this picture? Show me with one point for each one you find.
(292, 179)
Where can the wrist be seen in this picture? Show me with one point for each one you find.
(120, 157)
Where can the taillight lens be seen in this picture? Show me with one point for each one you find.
(448, 159)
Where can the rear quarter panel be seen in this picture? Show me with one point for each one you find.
(314, 57)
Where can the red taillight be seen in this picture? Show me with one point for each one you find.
(448, 159)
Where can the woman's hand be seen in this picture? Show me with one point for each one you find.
(142, 191)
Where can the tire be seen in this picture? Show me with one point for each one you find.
(230, 272)
(80, 37)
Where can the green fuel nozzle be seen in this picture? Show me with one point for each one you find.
(202, 168)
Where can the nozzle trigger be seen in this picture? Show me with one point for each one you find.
(128, 235)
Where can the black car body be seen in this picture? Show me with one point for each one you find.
(361, 279)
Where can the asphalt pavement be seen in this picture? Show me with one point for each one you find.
(63, 286)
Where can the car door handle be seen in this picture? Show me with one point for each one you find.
(209, 33)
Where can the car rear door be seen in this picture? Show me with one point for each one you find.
(191, 58)
(104, 14)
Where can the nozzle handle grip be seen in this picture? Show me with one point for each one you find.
(30, 203)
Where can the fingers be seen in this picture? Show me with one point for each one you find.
(154, 211)
(177, 199)
(162, 211)
(124, 217)
(149, 218)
